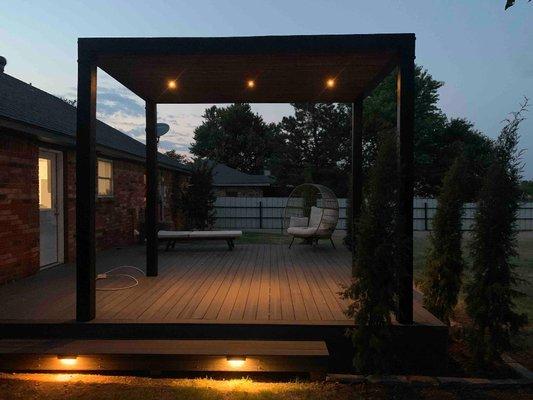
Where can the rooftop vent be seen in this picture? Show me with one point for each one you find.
(3, 63)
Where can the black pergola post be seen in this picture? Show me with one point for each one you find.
(357, 169)
(151, 189)
(405, 128)
(86, 192)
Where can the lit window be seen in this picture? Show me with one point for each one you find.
(45, 184)
(105, 178)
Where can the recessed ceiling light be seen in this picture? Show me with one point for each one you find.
(172, 84)
(330, 83)
(250, 83)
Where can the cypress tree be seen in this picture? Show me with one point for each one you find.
(373, 287)
(444, 262)
(197, 200)
(491, 295)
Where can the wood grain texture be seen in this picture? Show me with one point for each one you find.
(202, 283)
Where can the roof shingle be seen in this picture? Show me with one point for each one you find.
(25, 103)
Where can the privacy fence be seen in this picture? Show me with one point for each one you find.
(266, 213)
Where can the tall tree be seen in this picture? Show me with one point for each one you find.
(373, 288)
(315, 146)
(491, 295)
(178, 156)
(235, 136)
(435, 138)
(317, 142)
(527, 190)
(197, 199)
(444, 263)
(510, 3)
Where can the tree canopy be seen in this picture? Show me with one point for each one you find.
(510, 3)
(437, 140)
(235, 136)
(314, 144)
(182, 158)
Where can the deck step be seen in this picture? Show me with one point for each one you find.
(163, 355)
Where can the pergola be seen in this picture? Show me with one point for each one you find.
(269, 69)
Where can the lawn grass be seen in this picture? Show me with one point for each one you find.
(62, 386)
(524, 266)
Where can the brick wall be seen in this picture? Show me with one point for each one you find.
(117, 217)
(19, 208)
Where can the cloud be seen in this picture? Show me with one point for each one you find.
(165, 145)
(113, 100)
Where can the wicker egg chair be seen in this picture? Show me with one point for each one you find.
(311, 213)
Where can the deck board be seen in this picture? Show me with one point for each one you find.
(204, 282)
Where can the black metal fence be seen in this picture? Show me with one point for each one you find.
(266, 213)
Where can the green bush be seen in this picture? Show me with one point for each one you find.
(444, 262)
(372, 291)
(491, 294)
(197, 199)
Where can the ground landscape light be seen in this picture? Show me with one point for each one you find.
(236, 361)
(68, 360)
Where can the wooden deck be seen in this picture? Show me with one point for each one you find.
(202, 283)
(258, 292)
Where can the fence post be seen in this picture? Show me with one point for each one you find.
(260, 215)
(425, 216)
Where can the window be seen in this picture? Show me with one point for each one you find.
(105, 178)
(45, 184)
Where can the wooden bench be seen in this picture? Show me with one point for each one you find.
(171, 237)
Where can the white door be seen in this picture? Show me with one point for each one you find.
(50, 207)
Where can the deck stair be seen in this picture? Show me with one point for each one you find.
(248, 356)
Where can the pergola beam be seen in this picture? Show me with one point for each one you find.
(86, 188)
(151, 189)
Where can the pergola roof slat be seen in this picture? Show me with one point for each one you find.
(216, 70)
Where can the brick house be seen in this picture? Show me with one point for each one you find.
(38, 182)
(230, 182)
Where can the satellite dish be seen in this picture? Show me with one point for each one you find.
(161, 129)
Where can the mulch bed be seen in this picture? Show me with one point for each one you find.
(460, 365)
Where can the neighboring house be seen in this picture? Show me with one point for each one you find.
(229, 182)
(38, 181)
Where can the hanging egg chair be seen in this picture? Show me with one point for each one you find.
(311, 213)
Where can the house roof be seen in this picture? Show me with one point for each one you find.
(227, 176)
(53, 120)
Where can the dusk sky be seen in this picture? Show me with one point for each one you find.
(483, 53)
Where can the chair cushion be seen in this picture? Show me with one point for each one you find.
(301, 232)
(315, 216)
(298, 222)
(329, 220)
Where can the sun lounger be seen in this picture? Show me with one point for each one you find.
(171, 237)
